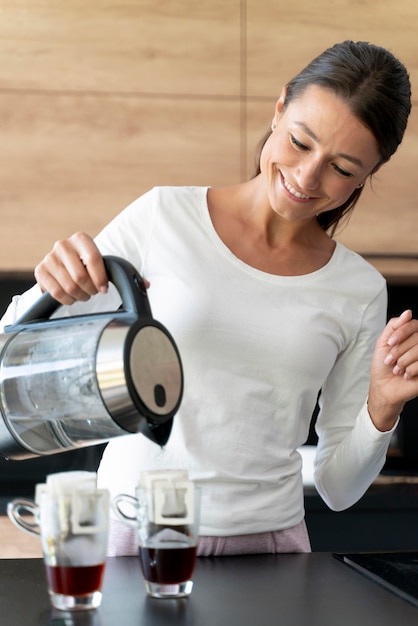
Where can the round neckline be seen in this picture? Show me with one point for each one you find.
(249, 269)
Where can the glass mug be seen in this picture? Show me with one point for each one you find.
(166, 517)
(72, 519)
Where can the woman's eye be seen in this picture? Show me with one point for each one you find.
(342, 172)
(301, 146)
(297, 143)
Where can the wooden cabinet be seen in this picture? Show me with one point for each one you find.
(101, 100)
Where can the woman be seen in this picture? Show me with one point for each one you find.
(268, 311)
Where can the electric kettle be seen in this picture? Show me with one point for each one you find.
(71, 382)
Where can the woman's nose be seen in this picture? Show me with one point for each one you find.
(308, 175)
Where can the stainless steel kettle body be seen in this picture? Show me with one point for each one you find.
(71, 382)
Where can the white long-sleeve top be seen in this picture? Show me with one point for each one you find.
(256, 350)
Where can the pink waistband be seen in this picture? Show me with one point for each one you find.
(123, 542)
(295, 539)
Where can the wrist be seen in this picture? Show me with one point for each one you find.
(383, 415)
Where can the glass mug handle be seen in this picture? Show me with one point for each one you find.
(131, 501)
(15, 510)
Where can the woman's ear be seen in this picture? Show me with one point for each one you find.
(280, 102)
(279, 108)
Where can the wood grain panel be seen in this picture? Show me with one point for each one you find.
(181, 46)
(72, 162)
(281, 41)
(100, 100)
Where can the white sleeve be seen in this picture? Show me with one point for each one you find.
(354, 465)
(351, 451)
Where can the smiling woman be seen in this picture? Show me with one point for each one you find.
(268, 311)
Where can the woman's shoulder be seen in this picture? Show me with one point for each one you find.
(356, 262)
(168, 199)
(357, 279)
(179, 192)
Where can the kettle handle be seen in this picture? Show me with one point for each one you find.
(120, 272)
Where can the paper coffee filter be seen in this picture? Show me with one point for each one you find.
(67, 483)
(148, 479)
(171, 497)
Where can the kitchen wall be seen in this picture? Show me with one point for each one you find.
(101, 100)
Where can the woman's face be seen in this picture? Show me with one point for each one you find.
(317, 154)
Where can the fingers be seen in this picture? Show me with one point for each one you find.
(73, 270)
(401, 336)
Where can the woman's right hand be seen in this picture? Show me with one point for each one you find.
(73, 270)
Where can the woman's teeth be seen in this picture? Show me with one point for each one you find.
(293, 191)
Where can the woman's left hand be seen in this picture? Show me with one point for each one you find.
(394, 371)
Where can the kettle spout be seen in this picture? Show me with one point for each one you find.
(157, 433)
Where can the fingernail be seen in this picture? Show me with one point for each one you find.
(392, 340)
(396, 370)
(103, 289)
(388, 360)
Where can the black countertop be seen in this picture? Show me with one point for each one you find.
(261, 590)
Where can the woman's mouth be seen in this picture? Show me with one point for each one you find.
(293, 192)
